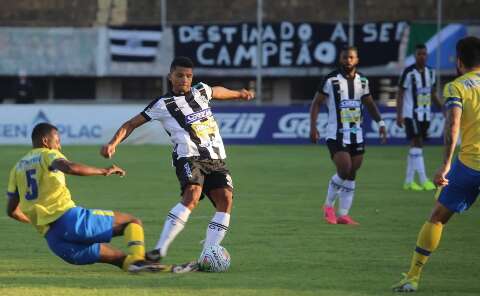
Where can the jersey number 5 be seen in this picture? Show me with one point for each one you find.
(32, 185)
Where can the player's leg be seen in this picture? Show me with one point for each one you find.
(111, 255)
(191, 178)
(175, 221)
(218, 187)
(427, 242)
(412, 132)
(80, 236)
(222, 198)
(457, 196)
(132, 230)
(419, 162)
(347, 192)
(338, 156)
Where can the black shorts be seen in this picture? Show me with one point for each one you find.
(335, 146)
(415, 128)
(208, 173)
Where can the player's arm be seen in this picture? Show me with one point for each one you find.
(79, 169)
(318, 100)
(450, 136)
(222, 93)
(375, 113)
(399, 98)
(436, 99)
(122, 133)
(13, 209)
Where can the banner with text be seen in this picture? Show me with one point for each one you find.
(291, 125)
(77, 124)
(286, 44)
(96, 124)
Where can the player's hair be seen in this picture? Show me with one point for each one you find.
(420, 46)
(349, 48)
(42, 130)
(185, 62)
(468, 51)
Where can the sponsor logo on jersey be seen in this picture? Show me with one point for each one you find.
(199, 115)
(424, 90)
(350, 104)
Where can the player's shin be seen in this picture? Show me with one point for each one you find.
(174, 224)
(346, 197)
(333, 188)
(410, 173)
(422, 175)
(134, 238)
(217, 229)
(427, 242)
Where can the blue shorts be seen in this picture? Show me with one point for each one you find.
(76, 235)
(462, 189)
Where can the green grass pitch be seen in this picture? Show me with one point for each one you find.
(278, 240)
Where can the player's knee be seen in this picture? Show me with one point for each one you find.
(190, 204)
(191, 196)
(136, 221)
(343, 174)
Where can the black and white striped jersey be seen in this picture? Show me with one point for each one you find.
(345, 108)
(417, 97)
(189, 122)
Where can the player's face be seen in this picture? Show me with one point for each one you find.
(349, 60)
(52, 141)
(421, 57)
(181, 79)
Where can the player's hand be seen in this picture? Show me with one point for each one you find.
(400, 121)
(246, 95)
(115, 170)
(107, 151)
(440, 178)
(383, 134)
(314, 135)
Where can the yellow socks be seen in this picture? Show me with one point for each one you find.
(134, 239)
(427, 242)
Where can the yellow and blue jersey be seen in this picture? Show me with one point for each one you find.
(42, 191)
(464, 92)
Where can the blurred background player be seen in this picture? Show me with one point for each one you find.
(23, 88)
(198, 152)
(37, 194)
(458, 183)
(344, 91)
(416, 91)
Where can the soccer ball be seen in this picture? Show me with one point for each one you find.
(214, 259)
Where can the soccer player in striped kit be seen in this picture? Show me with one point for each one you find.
(415, 96)
(198, 151)
(345, 92)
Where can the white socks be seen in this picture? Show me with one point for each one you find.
(334, 186)
(217, 228)
(174, 224)
(415, 155)
(410, 172)
(346, 197)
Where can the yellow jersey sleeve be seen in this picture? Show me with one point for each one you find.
(12, 189)
(452, 95)
(50, 156)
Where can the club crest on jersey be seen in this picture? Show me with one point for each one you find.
(350, 104)
(199, 115)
